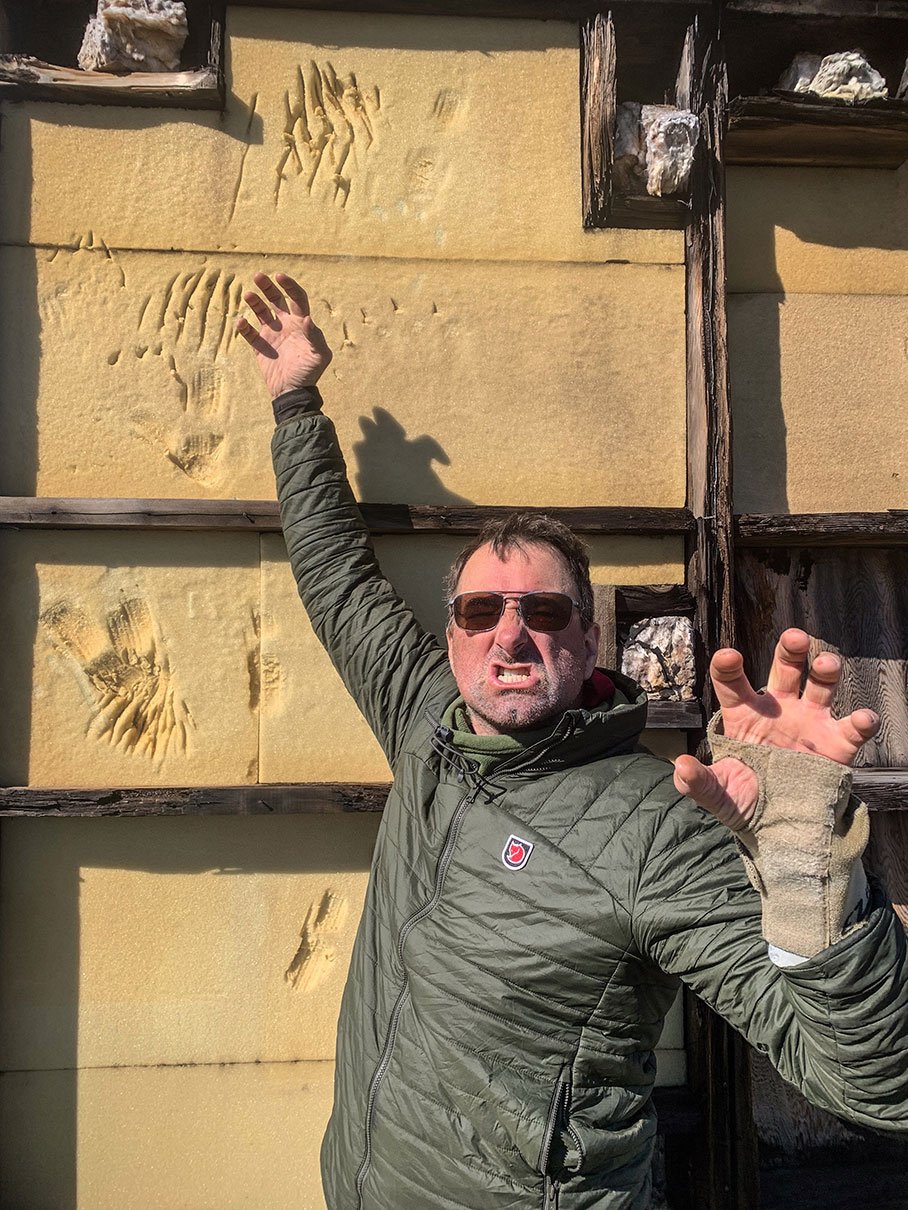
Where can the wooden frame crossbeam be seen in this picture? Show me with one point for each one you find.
(46, 512)
(822, 529)
(882, 789)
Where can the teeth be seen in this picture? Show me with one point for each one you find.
(511, 678)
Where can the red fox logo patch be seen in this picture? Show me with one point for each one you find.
(516, 852)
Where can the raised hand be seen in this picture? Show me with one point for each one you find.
(291, 351)
(782, 717)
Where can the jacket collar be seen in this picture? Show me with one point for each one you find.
(579, 736)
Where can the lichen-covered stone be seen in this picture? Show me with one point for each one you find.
(654, 148)
(134, 35)
(659, 656)
(846, 76)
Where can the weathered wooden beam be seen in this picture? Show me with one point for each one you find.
(822, 529)
(324, 798)
(817, 133)
(882, 789)
(724, 1175)
(44, 512)
(597, 117)
(652, 600)
(26, 78)
(867, 10)
(702, 87)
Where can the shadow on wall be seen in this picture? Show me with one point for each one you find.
(243, 934)
(827, 208)
(386, 454)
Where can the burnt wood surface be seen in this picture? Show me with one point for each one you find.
(722, 1169)
(884, 790)
(820, 134)
(44, 512)
(835, 529)
(597, 117)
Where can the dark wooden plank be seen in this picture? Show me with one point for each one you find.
(26, 78)
(776, 130)
(597, 117)
(326, 798)
(793, 10)
(882, 789)
(663, 213)
(702, 87)
(818, 529)
(652, 600)
(262, 516)
(678, 716)
(563, 10)
(679, 1112)
(722, 1172)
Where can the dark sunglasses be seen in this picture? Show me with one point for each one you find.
(545, 611)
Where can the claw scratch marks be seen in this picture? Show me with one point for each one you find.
(247, 143)
(136, 705)
(329, 122)
(448, 108)
(318, 943)
(188, 326)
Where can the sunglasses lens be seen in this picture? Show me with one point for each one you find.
(478, 610)
(543, 611)
(546, 611)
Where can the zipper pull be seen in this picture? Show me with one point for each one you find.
(551, 1194)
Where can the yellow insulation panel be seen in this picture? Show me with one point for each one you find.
(131, 659)
(179, 1138)
(817, 231)
(121, 375)
(818, 384)
(349, 134)
(130, 942)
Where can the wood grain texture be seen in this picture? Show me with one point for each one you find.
(45, 512)
(26, 78)
(828, 529)
(597, 117)
(817, 133)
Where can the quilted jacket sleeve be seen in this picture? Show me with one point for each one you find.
(389, 664)
(835, 1026)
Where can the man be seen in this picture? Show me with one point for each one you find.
(541, 884)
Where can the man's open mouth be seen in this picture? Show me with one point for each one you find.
(514, 675)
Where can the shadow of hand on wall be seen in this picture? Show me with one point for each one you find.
(392, 468)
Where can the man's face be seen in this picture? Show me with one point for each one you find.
(511, 678)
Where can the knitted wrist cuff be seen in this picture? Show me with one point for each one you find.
(802, 849)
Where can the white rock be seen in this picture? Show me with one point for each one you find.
(799, 75)
(134, 35)
(654, 148)
(902, 91)
(850, 77)
(847, 76)
(659, 656)
(671, 139)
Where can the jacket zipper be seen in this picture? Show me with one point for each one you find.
(560, 1107)
(407, 927)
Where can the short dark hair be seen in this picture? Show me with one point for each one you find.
(520, 530)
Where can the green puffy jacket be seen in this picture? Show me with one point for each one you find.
(495, 1045)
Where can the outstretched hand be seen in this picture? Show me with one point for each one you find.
(291, 351)
(782, 717)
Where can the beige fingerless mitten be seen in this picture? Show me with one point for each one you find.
(803, 847)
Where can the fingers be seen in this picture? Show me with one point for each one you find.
(296, 295)
(732, 687)
(270, 290)
(261, 312)
(248, 332)
(859, 727)
(823, 680)
(728, 789)
(788, 663)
